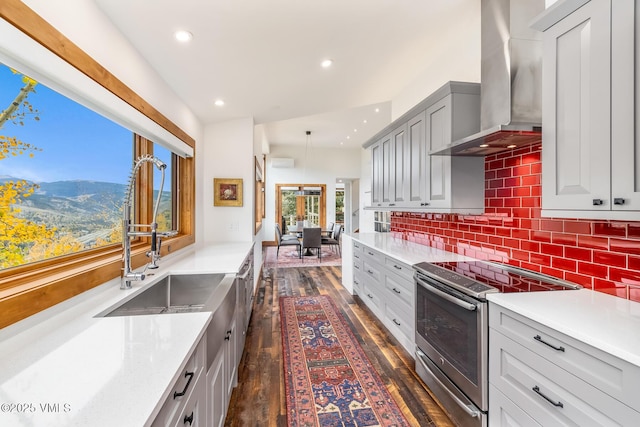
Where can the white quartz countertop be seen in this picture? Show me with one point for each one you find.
(405, 251)
(66, 367)
(603, 321)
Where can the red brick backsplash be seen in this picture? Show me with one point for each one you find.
(598, 254)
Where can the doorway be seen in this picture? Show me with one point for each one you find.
(301, 202)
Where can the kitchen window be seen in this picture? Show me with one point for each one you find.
(63, 171)
(27, 288)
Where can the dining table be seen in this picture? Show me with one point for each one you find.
(297, 230)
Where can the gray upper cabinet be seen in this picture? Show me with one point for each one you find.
(418, 167)
(400, 159)
(376, 171)
(591, 148)
(405, 176)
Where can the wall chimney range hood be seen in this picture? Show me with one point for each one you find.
(511, 80)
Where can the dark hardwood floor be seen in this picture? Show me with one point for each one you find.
(258, 398)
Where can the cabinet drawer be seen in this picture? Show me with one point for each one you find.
(357, 284)
(179, 393)
(371, 296)
(401, 269)
(400, 320)
(504, 413)
(357, 247)
(357, 266)
(613, 376)
(357, 255)
(400, 290)
(371, 270)
(548, 393)
(194, 412)
(373, 256)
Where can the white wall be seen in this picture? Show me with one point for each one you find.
(366, 216)
(324, 166)
(457, 58)
(356, 208)
(227, 152)
(83, 23)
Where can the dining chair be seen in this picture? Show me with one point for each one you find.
(284, 236)
(284, 241)
(311, 238)
(334, 240)
(328, 231)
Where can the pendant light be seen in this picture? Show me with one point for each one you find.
(301, 192)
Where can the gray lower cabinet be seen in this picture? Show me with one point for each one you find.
(217, 391)
(187, 398)
(386, 286)
(200, 396)
(539, 376)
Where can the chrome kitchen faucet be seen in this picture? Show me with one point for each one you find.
(130, 230)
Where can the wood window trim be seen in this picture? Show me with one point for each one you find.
(259, 190)
(29, 289)
(323, 201)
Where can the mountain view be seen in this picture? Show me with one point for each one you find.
(88, 210)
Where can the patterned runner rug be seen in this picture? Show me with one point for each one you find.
(289, 258)
(329, 380)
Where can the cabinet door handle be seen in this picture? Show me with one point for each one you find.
(539, 339)
(370, 271)
(370, 296)
(392, 204)
(188, 419)
(396, 291)
(618, 201)
(598, 202)
(186, 387)
(556, 404)
(396, 322)
(397, 267)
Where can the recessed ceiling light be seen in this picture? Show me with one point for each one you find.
(183, 36)
(355, 130)
(326, 63)
(364, 121)
(348, 137)
(483, 145)
(219, 102)
(341, 142)
(377, 110)
(512, 146)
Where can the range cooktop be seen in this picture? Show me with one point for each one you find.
(478, 278)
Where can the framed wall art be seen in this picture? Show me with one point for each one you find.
(227, 192)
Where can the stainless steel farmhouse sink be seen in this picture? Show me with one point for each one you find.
(184, 293)
(175, 293)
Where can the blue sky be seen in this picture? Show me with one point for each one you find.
(76, 143)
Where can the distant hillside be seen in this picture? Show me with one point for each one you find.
(86, 209)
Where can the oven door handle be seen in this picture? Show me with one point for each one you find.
(450, 298)
(469, 410)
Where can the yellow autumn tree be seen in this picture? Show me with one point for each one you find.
(18, 236)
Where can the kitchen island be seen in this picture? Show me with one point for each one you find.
(66, 367)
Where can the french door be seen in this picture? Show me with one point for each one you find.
(300, 202)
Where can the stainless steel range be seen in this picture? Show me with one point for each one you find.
(452, 331)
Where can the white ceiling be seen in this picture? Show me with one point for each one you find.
(262, 57)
